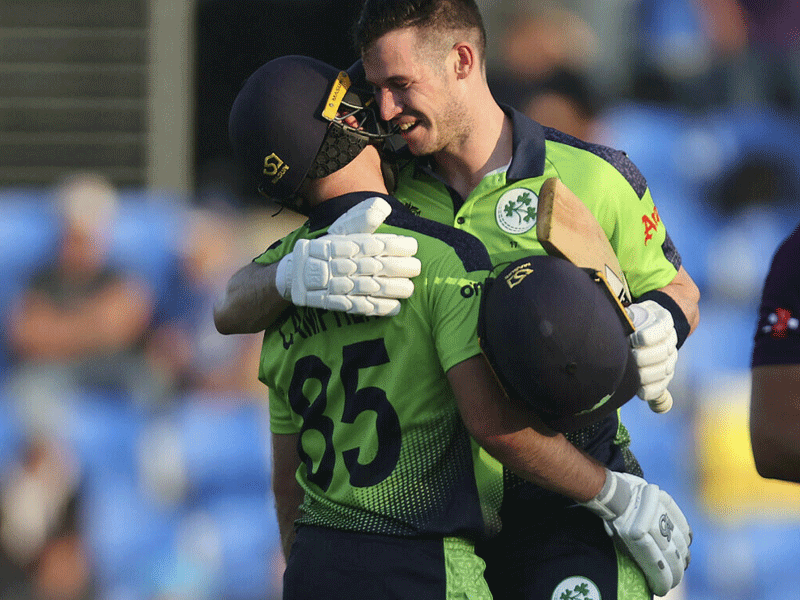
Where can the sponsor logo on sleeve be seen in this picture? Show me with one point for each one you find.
(651, 223)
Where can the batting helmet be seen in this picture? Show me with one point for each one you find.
(556, 342)
(287, 122)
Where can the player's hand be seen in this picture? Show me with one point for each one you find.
(655, 347)
(351, 269)
(649, 524)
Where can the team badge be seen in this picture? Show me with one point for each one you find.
(780, 322)
(576, 588)
(516, 210)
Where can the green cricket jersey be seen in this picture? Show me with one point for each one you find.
(501, 212)
(383, 447)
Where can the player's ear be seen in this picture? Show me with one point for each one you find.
(466, 59)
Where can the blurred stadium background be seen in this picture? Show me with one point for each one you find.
(126, 491)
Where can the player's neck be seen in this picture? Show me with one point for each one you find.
(488, 147)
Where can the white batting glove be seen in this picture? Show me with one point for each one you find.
(655, 347)
(351, 269)
(649, 524)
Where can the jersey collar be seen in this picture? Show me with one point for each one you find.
(324, 214)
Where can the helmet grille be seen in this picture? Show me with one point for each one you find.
(338, 148)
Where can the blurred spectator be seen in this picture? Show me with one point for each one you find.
(684, 50)
(185, 350)
(81, 321)
(565, 101)
(539, 37)
(771, 68)
(40, 543)
(545, 51)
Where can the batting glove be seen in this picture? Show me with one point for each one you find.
(650, 526)
(655, 347)
(351, 269)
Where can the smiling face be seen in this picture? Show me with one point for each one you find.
(418, 89)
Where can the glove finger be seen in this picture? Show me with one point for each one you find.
(381, 287)
(364, 217)
(652, 334)
(652, 355)
(398, 245)
(399, 266)
(651, 561)
(367, 265)
(663, 530)
(656, 374)
(384, 244)
(340, 247)
(373, 307)
(322, 299)
(394, 287)
(340, 286)
(342, 267)
(682, 531)
(658, 567)
(652, 391)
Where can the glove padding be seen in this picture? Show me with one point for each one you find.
(655, 347)
(351, 269)
(650, 526)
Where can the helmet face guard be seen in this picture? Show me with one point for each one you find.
(348, 101)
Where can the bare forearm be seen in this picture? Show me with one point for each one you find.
(514, 436)
(551, 462)
(686, 294)
(251, 302)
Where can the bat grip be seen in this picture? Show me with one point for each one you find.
(661, 404)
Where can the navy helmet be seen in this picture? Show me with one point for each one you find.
(557, 342)
(288, 122)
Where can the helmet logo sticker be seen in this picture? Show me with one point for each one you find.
(339, 89)
(576, 588)
(274, 167)
(518, 274)
(516, 210)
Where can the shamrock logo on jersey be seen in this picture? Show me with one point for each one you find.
(576, 588)
(516, 210)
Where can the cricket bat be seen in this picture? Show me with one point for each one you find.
(567, 228)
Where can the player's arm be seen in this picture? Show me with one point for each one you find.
(644, 518)
(250, 302)
(286, 490)
(774, 419)
(351, 269)
(684, 291)
(516, 438)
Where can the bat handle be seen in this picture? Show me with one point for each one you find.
(661, 404)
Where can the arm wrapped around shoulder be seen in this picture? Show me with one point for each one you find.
(649, 524)
(351, 269)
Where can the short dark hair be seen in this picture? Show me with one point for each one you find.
(379, 17)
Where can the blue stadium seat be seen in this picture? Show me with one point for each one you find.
(128, 536)
(12, 433)
(103, 430)
(225, 444)
(249, 539)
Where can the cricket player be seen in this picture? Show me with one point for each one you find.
(389, 431)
